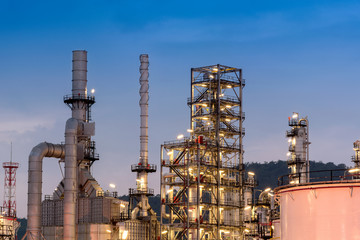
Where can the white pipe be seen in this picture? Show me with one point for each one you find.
(35, 183)
(70, 188)
(144, 104)
(79, 82)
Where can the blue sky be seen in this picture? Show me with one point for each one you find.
(296, 56)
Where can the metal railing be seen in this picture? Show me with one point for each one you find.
(135, 191)
(315, 176)
(70, 97)
(148, 168)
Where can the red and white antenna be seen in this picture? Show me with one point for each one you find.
(9, 205)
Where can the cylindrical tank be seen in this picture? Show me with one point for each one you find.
(320, 211)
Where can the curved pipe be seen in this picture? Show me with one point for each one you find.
(70, 187)
(36, 156)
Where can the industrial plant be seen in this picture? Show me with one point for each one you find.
(206, 192)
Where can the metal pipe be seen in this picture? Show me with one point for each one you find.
(36, 156)
(79, 82)
(144, 115)
(70, 180)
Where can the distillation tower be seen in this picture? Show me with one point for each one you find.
(143, 224)
(202, 175)
(298, 155)
(78, 208)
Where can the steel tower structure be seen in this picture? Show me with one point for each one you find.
(202, 175)
(298, 155)
(10, 188)
(8, 223)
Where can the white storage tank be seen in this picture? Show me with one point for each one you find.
(321, 210)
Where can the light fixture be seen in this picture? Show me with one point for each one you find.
(267, 190)
(251, 173)
(180, 136)
(112, 185)
(354, 170)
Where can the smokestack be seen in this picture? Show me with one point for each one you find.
(144, 105)
(144, 115)
(79, 83)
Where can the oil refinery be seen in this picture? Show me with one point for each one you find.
(206, 192)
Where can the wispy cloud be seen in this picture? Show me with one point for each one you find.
(15, 124)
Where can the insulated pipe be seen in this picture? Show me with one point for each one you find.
(144, 104)
(70, 179)
(36, 156)
(79, 82)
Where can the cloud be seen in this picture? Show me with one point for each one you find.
(16, 124)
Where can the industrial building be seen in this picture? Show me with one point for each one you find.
(205, 192)
(202, 175)
(79, 208)
(316, 204)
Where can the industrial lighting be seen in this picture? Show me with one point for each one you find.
(122, 205)
(270, 194)
(205, 118)
(109, 231)
(228, 106)
(354, 170)
(124, 235)
(221, 95)
(211, 76)
(190, 130)
(163, 232)
(267, 190)
(288, 154)
(169, 191)
(169, 153)
(180, 136)
(112, 185)
(215, 69)
(229, 86)
(247, 208)
(292, 182)
(203, 85)
(246, 230)
(92, 91)
(251, 173)
(289, 140)
(295, 115)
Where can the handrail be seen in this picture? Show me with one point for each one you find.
(315, 176)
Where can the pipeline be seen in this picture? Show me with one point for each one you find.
(70, 189)
(36, 156)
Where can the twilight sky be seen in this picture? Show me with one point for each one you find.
(299, 56)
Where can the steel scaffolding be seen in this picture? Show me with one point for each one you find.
(202, 175)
